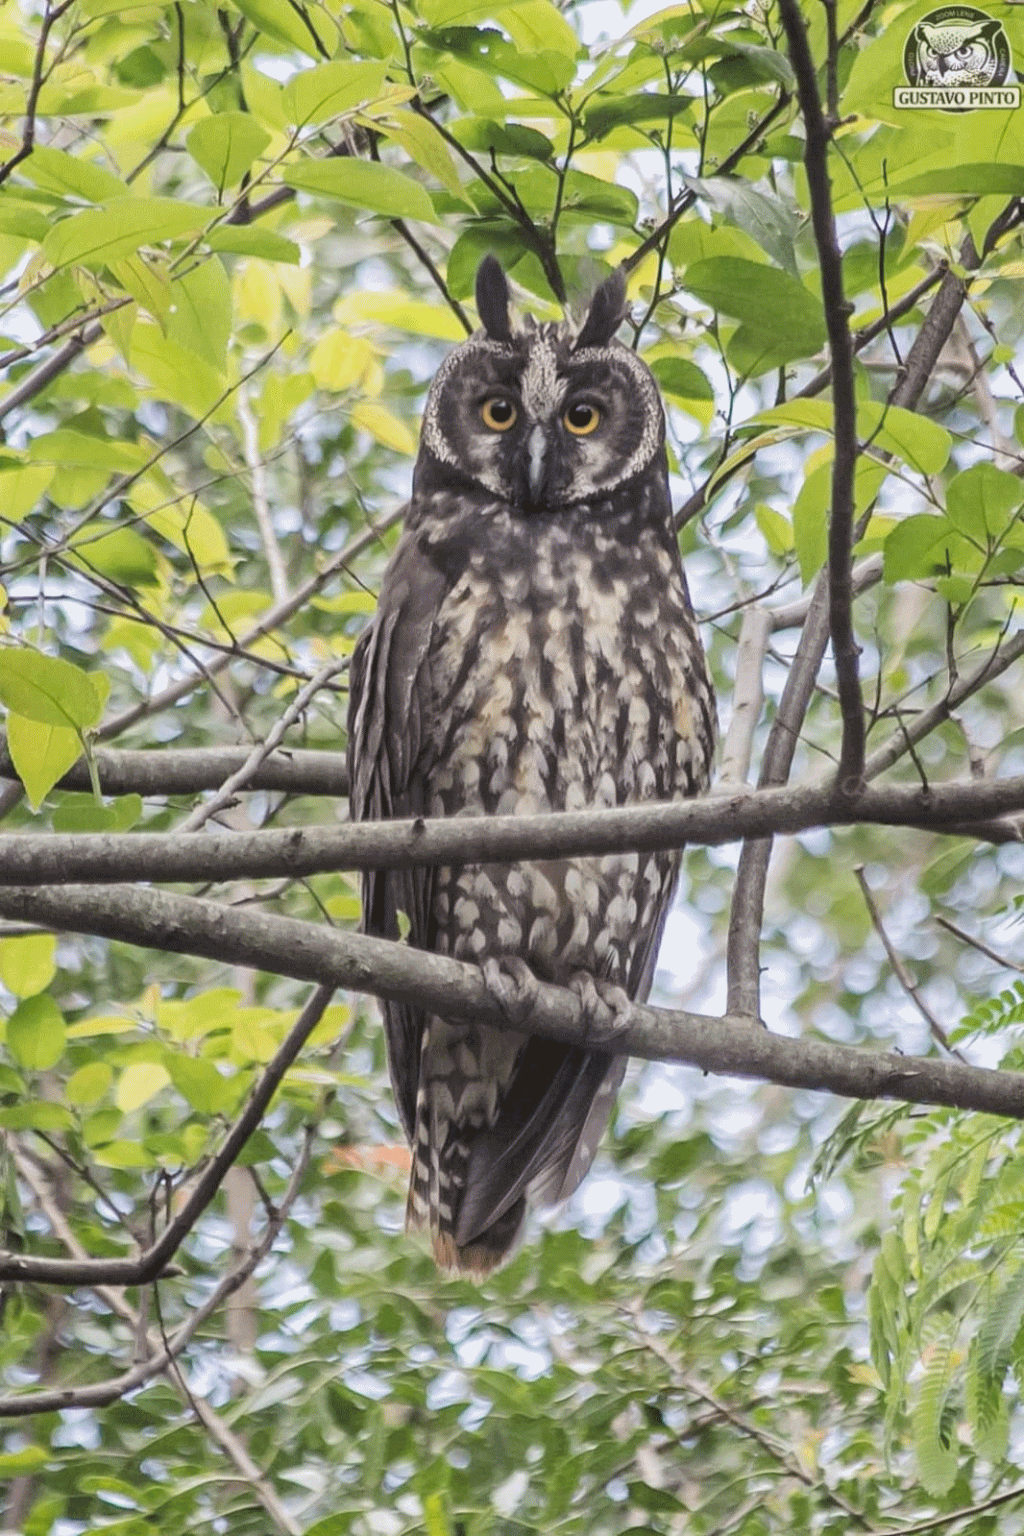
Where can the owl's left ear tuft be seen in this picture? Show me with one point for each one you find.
(492, 299)
(605, 315)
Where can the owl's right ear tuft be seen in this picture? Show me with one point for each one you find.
(492, 299)
(606, 313)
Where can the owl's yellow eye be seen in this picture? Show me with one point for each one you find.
(581, 419)
(498, 413)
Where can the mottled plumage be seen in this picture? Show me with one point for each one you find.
(534, 650)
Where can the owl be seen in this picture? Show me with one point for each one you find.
(533, 650)
(956, 53)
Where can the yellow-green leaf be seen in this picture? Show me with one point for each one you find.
(22, 489)
(35, 1033)
(48, 689)
(318, 94)
(120, 228)
(380, 423)
(200, 313)
(340, 361)
(307, 28)
(41, 754)
(225, 146)
(27, 964)
(55, 170)
(404, 314)
(139, 1082)
(366, 185)
(89, 1083)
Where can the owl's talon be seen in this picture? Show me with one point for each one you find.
(605, 1008)
(512, 985)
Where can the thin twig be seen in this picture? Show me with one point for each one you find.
(902, 975)
(980, 946)
(260, 498)
(748, 695)
(275, 616)
(263, 749)
(229, 1442)
(777, 1451)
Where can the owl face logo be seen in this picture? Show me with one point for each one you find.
(957, 59)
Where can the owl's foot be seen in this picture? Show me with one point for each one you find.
(512, 985)
(605, 1008)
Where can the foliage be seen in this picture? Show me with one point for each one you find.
(235, 243)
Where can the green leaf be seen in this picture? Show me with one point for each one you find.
(67, 448)
(55, 170)
(250, 240)
(24, 219)
(175, 373)
(781, 315)
(775, 527)
(914, 438)
(89, 1084)
(23, 1463)
(200, 315)
(35, 1033)
(122, 1154)
(121, 554)
(318, 94)
(41, 754)
(920, 546)
(537, 26)
(225, 146)
(21, 490)
(48, 689)
(27, 964)
(955, 180)
(139, 1082)
(810, 521)
(201, 1084)
(101, 235)
(678, 376)
(41, 1115)
(980, 500)
(365, 185)
(934, 1424)
(308, 29)
(483, 136)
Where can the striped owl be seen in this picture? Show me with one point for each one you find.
(533, 650)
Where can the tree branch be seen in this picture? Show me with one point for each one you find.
(844, 408)
(190, 770)
(731, 1046)
(104, 857)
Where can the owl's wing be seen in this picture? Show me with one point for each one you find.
(388, 735)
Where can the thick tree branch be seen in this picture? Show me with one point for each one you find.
(103, 857)
(844, 408)
(333, 958)
(190, 770)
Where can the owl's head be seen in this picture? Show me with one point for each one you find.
(544, 415)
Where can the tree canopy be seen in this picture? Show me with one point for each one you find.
(235, 243)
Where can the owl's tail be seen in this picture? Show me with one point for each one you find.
(437, 1183)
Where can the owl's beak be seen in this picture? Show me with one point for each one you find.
(536, 462)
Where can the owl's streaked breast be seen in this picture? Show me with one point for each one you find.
(563, 675)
